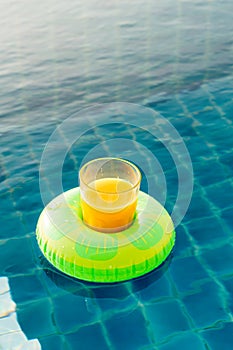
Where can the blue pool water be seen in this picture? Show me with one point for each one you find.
(175, 57)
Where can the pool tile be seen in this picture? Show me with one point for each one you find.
(221, 338)
(128, 330)
(6, 203)
(206, 306)
(58, 283)
(88, 338)
(227, 104)
(54, 342)
(187, 274)
(227, 215)
(228, 284)
(71, 311)
(35, 318)
(196, 101)
(12, 223)
(30, 219)
(169, 109)
(216, 137)
(16, 257)
(227, 159)
(25, 288)
(198, 149)
(183, 341)
(207, 231)
(221, 194)
(165, 319)
(24, 202)
(165, 158)
(183, 246)
(209, 173)
(184, 125)
(157, 290)
(110, 306)
(221, 93)
(116, 291)
(199, 207)
(172, 181)
(220, 260)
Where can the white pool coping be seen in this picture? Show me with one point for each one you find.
(11, 335)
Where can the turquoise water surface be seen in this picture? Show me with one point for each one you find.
(175, 57)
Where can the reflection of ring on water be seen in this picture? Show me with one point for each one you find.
(119, 290)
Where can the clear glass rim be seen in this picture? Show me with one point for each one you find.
(111, 158)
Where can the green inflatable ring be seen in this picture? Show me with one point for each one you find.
(81, 252)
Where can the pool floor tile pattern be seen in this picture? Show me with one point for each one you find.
(167, 319)
(33, 314)
(186, 340)
(221, 337)
(188, 302)
(86, 337)
(132, 330)
(207, 305)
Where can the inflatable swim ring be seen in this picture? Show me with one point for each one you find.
(81, 252)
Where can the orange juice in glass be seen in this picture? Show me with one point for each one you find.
(109, 190)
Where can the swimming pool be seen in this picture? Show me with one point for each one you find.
(174, 57)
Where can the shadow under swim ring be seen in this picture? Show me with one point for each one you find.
(81, 252)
